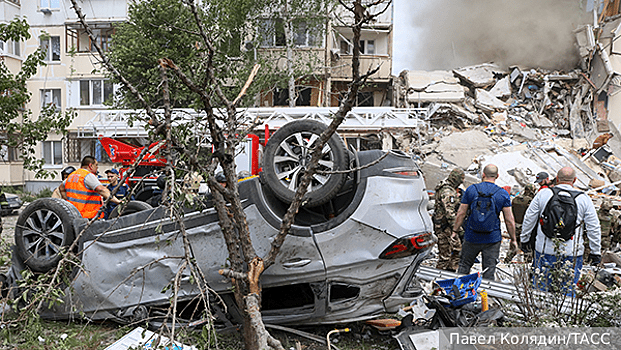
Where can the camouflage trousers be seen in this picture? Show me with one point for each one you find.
(450, 249)
(528, 257)
(512, 251)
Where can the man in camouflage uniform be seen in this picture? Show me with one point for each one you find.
(519, 204)
(615, 228)
(605, 222)
(447, 202)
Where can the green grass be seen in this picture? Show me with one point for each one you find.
(44, 335)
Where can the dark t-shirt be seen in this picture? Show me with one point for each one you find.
(501, 198)
(120, 194)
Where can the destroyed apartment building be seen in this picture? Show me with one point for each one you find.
(523, 119)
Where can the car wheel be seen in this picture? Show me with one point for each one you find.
(43, 229)
(287, 153)
(130, 208)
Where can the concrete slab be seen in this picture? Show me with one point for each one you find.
(480, 75)
(502, 88)
(460, 148)
(487, 101)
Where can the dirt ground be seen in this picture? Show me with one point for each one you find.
(7, 238)
(8, 228)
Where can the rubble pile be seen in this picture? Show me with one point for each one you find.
(526, 121)
(532, 117)
(525, 104)
(550, 101)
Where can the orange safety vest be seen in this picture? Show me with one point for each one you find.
(87, 201)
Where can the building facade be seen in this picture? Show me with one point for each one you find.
(330, 48)
(74, 79)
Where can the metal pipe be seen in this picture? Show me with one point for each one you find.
(332, 332)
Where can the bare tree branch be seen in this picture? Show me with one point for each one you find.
(368, 165)
(255, 69)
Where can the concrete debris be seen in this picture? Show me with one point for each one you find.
(145, 339)
(460, 148)
(553, 102)
(502, 89)
(521, 132)
(479, 76)
(488, 102)
(436, 86)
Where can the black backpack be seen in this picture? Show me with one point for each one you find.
(483, 215)
(558, 219)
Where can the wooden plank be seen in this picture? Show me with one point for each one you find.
(615, 7)
(604, 11)
(600, 110)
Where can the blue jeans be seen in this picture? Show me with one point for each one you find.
(470, 251)
(552, 274)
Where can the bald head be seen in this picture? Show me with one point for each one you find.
(566, 175)
(490, 172)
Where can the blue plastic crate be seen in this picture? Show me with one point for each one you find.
(467, 286)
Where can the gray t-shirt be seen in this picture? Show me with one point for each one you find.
(90, 181)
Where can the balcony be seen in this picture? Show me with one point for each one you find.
(341, 67)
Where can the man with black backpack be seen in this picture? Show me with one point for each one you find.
(561, 214)
(482, 204)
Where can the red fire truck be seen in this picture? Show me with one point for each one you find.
(145, 176)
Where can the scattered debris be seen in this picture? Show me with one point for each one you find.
(140, 338)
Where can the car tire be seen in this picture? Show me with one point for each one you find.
(283, 157)
(144, 194)
(43, 228)
(130, 208)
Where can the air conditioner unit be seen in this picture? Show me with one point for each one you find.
(46, 11)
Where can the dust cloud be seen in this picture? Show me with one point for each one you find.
(528, 33)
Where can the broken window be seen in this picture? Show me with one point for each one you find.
(345, 48)
(365, 99)
(340, 292)
(78, 39)
(273, 34)
(306, 35)
(51, 96)
(95, 92)
(281, 97)
(367, 46)
(286, 297)
(303, 98)
(9, 154)
(51, 48)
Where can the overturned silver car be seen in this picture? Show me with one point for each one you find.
(351, 255)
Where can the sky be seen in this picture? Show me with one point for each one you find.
(447, 34)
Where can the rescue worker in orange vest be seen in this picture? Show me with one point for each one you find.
(84, 191)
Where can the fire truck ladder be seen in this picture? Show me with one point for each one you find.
(117, 123)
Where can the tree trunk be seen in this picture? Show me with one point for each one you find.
(289, 45)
